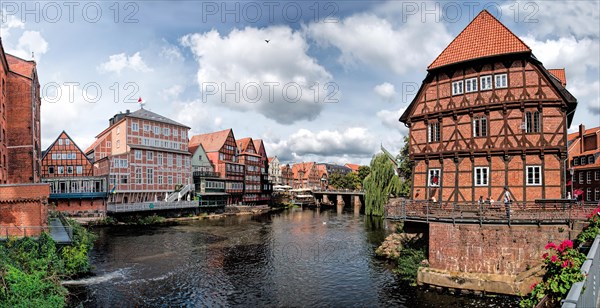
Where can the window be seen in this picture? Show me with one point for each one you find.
(138, 175)
(576, 161)
(134, 127)
(501, 81)
(67, 142)
(597, 176)
(178, 161)
(150, 176)
(61, 169)
(580, 177)
(169, 160)
(60, 142)
(159, 157)
(457, 87)
(79, 169)
(123, 179)
(160, 179)
(597, 194)
(486, 82)
(69, 169)
(534, 175)
(481, 176)
(146, 127)
(51, 170)
(150, 155)
(138, 154)
(589, 177)
(433, 180)
(156, 130)
(166, 131)
(183, 135)
(588, 194)
(170, 179)
(532, 122)
(583, 160)
(118, 144)
(590, 159)
(175, 133)
(433, 132)
(108, 144)
(480, 127)
(471, 85)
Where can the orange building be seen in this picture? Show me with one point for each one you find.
(584, 161)
(252, 162)
(73, 187)
(489, 115)
(23, 199)
(287, 175)
(306, 175)
(144, 155)
(222, 151)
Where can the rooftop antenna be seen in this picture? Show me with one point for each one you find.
(32, 56)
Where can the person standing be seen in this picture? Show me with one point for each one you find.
(507, 201)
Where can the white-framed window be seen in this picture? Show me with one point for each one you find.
(486, 82)
(588, 194)
(481, 176)
(146, 127)
(138, 175)
(170, 179)
(175, 132)
(534, 175)
(583, 160)
(532, 122)
(61, 169)
(576, 161)
(150, 176)
(79, 169)
(470, 85)
(591, 159)
(69, 169)
(166, 131)
(597, 194)
(60, 142)
(138, 154)
(457, 87)
(169, 159)
(134, 126)
(159, 157)
(156, 130)
(597, 176)
(433, 132)
(480, 127)
(108, 144)
(501, 81)
(159, 179)
(434, 178)
(183, 134)
(178, 161)
(580, 177)
(67, 142)
(589, 177)
(150, 155)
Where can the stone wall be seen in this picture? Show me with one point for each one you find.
(23, 209)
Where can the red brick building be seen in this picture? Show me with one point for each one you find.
(287, 175)
(73, 187)
(222, 151)
(489, 115)
(584, 161)
(266, 186)
(144, 155)
(23, 199)
(252, 165)
(306, 175)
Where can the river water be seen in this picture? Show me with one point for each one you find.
(295, 258)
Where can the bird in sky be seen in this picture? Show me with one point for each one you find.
(267, 41)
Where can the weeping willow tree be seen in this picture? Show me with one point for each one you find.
(379, 184)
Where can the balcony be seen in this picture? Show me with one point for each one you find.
(206, 174)
(81, 195)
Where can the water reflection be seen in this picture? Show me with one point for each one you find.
(297, 258)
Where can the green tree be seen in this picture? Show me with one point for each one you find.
(363, 171)
(405, 166)
(379, 184)
(347, 181)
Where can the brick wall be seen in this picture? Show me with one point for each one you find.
(490, 249)
(23, 206)
(96, 207)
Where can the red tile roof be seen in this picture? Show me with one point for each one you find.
(211, 142)
(306, 167)
(484, 37)
(244, 143)
(20, 66)
(575, 148)
(560, 74)
(354, 167)
(588, 131)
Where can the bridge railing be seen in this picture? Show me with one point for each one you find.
(496, 212)
(150, 206)
(585, 293)
(335, 191)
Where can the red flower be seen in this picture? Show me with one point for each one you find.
(566, 263)
(554, 259)
(550, 245)
(568, 243)
(533, 285)
(545, 255)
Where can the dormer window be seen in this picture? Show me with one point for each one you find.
(471, 85)
(486, 82)
(583, 160)
(457, 87)
(576, 161)
(591, 159)
(501, 81)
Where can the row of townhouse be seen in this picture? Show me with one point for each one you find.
(584, 161)
(144, 157)
(23, 199)
(310, 175)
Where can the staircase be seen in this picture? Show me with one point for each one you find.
(178, 195)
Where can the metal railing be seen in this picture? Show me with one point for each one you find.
(585, 293)
(339, 191)
(7, 232)
(150, 206)
(483, 213)
(208, 174)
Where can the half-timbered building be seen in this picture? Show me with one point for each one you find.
(489, 116)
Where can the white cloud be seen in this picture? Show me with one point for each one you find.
(117, 63)
(30, 42)
(244, 62)
(9, 22)
(375, 41)
(172, 92)
(171, 53)
(386, 91)
(390, 118)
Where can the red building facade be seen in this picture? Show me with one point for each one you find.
(306, 175)
(584, 159)
(73, 187)
(144, 155)
(252, 165)
(266, 186)
(487, 118)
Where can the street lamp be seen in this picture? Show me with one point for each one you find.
(572, 171)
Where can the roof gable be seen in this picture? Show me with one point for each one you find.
(146, 114)
(246, 144)
(560, 75)
(484, 37)
(212, 142)
(64, 135)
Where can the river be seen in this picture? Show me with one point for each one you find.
(295, 258)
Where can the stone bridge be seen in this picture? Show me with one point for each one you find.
(341, 198)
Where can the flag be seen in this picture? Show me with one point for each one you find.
(114, 190)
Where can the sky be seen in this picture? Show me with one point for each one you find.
(328, 86)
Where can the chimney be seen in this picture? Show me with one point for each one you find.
(127, 111)
(581, 133)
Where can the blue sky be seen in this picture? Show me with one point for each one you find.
(365, 57)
